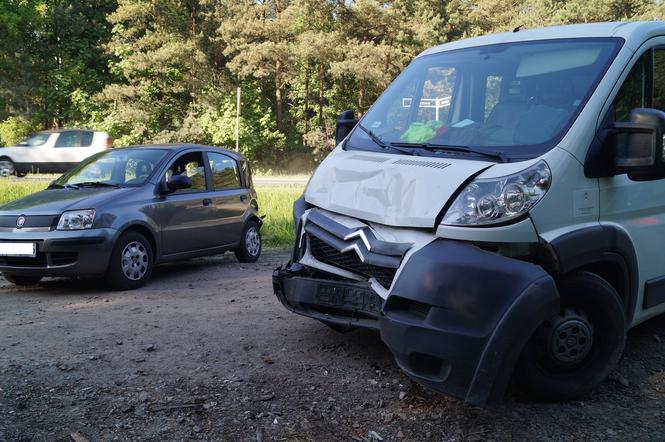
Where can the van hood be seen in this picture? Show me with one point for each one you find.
(55, 201)
(395, 190)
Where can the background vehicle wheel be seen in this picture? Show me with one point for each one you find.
(21, 174)
(576, 349)
(6, 168)
(22, 280)
(131, 262)
(250, 245)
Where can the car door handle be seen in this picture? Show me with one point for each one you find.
(207, 202)
(243, 198)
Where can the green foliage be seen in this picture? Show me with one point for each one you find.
(152, 71)
(14, 129)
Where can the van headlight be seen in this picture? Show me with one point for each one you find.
(497, 200)
(76, 220)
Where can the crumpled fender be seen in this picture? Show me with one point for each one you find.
(458, 317)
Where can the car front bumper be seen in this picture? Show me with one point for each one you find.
(61, 253)
(456, 318)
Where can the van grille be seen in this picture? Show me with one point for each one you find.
(350, 261)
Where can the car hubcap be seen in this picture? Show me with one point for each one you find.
(567, 338)
(134, 260)
(253, 241)
(6, 169)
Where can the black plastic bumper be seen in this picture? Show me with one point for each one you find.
(457, 317)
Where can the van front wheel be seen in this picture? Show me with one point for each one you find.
(575, 350)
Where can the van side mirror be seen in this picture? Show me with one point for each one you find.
(639, 148)
(345, 123)
(176, 182)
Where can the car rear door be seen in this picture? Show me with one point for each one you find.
(230, 199)
(186, 217)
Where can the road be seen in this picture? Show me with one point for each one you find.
(206, 352)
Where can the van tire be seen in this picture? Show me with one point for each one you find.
(133, 271)
(251, 243)
(22, 280)
(560, 362)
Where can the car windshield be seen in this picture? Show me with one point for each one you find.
(117, 167)
(35, 140)
(517, 99)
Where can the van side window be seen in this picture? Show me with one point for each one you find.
(659, 79)
(633, 92)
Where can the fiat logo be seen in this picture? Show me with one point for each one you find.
(20, 222)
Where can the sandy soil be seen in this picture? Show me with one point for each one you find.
(205, 351)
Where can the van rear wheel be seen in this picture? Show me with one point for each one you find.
(575, 350)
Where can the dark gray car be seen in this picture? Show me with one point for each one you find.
(121, 211)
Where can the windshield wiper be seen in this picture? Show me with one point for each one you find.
(383, 144)
(498, 155)
(97, 184)
(62, 186)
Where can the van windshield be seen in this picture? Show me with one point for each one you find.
(510, 99)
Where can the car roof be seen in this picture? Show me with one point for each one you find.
(57, 131)
(634, 33)
(186, 146)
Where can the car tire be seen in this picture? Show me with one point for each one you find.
(251, 244)
(22, 280)
(7, 168)
(21, 174)
(131, 262)
(574, 351)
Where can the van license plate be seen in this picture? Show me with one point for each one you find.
(28, 249)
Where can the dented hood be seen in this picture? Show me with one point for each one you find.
(395, 190)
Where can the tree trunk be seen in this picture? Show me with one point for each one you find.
(322, 74)
(278, 95)
(306, 117)
(361, 96)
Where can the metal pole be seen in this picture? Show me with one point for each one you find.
(237, 119)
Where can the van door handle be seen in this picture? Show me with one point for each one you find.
(207, 202)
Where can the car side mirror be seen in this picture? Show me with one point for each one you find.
(176, 182)
(639, 147)
(345, 123)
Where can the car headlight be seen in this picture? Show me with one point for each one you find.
(76, 220)
(497, 200)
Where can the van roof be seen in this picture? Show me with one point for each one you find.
(634, 33)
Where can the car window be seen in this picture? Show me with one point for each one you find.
(68, 139)
(86, 139)
(659, 79)
(35, 140)
(633, 92)
(191, 165)
(224, 171)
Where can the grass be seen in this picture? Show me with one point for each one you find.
(275, 202)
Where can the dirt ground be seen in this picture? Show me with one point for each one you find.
(206, 352)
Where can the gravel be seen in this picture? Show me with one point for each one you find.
(206, 352)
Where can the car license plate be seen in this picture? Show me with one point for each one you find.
(28, 249)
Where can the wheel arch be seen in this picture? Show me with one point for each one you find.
(147, 233)
(605, 251)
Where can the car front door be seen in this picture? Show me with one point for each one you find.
(66, 151)
(230, 198)
(638, 207)
(186, 216)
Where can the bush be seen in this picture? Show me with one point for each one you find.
(14, 129)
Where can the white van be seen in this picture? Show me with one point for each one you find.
(52, 151)
(499, 212)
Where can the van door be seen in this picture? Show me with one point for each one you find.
(639, 207)
(230, 200)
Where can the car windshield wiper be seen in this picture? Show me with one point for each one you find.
(498, 155)
(383, 144)
(96, 184)
(62, 186)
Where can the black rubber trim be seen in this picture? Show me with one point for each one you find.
(600, 244)
(458, 317)
(654, 292)
(76, 242)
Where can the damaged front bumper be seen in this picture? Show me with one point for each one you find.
(456, 318)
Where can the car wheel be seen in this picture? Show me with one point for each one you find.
(572, 352)
(131, 262)
(21, 279)
(21, 174)
(6, 168)
(250, 245)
